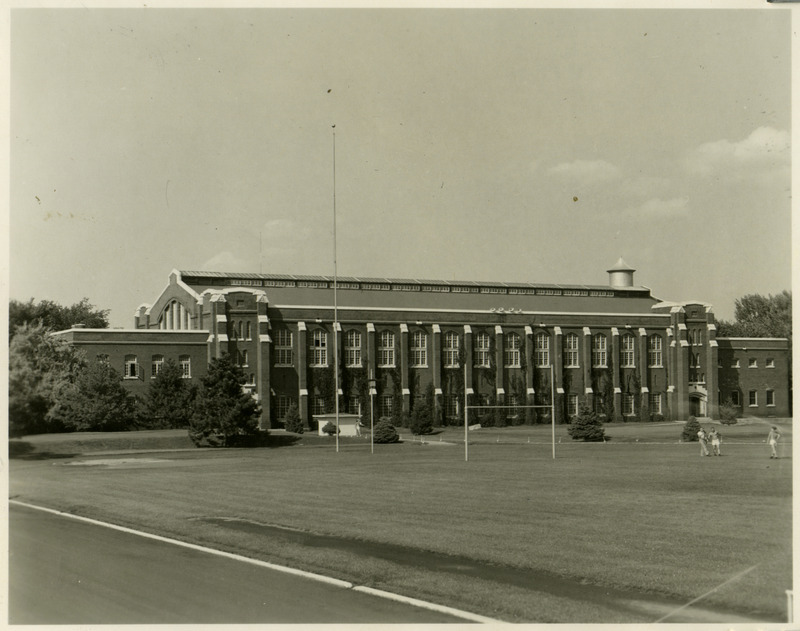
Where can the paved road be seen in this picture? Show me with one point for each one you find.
(64, 571)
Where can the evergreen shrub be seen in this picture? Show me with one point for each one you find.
(293, 422)
(690, 429)
(385, 432)
(587, 426)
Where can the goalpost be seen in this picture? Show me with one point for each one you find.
(468, 407)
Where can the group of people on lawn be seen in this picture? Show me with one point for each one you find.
(715, 438)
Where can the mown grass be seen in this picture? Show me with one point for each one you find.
(648, 515)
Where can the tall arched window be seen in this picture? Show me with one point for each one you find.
(386, 350)
(352, 349)
(542, 349)
(512, 355)
(185, 362)
(419, 349)
(571, 345)
(131, 367)
(480, 350)
(156, 364)
(654, 356)
(319, 348)
(627, 352)
(599, 351)
(451, 350)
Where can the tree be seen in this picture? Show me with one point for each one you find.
(170, 398)
(728, 412)
(55, 317)
(330, 429)
(38, 365)
(385, 432)
(223, 414)
(293, 422)
(95, 401)
(760, 316)
(690, 429)
(421, 421)
(587, 426)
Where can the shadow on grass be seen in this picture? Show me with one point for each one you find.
(21, 450)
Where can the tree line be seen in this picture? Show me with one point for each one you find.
(54, 387)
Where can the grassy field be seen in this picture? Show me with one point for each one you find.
(642, 514)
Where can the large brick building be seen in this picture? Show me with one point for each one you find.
(613, 347)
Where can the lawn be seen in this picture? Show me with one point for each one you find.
(641, 516)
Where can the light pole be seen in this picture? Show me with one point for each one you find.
(372, 393)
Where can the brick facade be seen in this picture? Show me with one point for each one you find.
(614, 347)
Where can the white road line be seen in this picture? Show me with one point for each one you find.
(280, 568)
(426, 605)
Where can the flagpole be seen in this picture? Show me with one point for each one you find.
(335, 303)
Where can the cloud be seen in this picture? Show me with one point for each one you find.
(225, 261)
(586, 171)
(657, 208)
(765, 150)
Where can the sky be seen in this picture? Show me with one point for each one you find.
(520, 145)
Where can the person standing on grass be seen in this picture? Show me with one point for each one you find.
(772, 439)
(701, 436)
(716, 439)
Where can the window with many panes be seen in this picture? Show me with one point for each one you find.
(512, 355)
(541, 350)
(512, 411)
(735, 397)
(385, 405)
(185, 363)
(450, 350)
(654, 351)
(419, 349)
(131, 367)
(283, 347)
(318, 405)
(627, 404)
(480, 350)
(572, 405)
(282, 405)
(770, 398)
(599, 404)
(571, 345)
(451, 406)
(386, 349)
(655, 403)
(353, 404)
(352, 349)
(627, 352)
(599, 351)
(156, 365)
(318, 349)
(752, 398)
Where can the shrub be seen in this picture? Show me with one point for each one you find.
(421, 420)
(330, 428)
(587, 426)
(728, 412)
(657, 418)
(293, 422)
(385, 432)
(690, 429)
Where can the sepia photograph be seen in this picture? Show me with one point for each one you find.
(334, 314)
